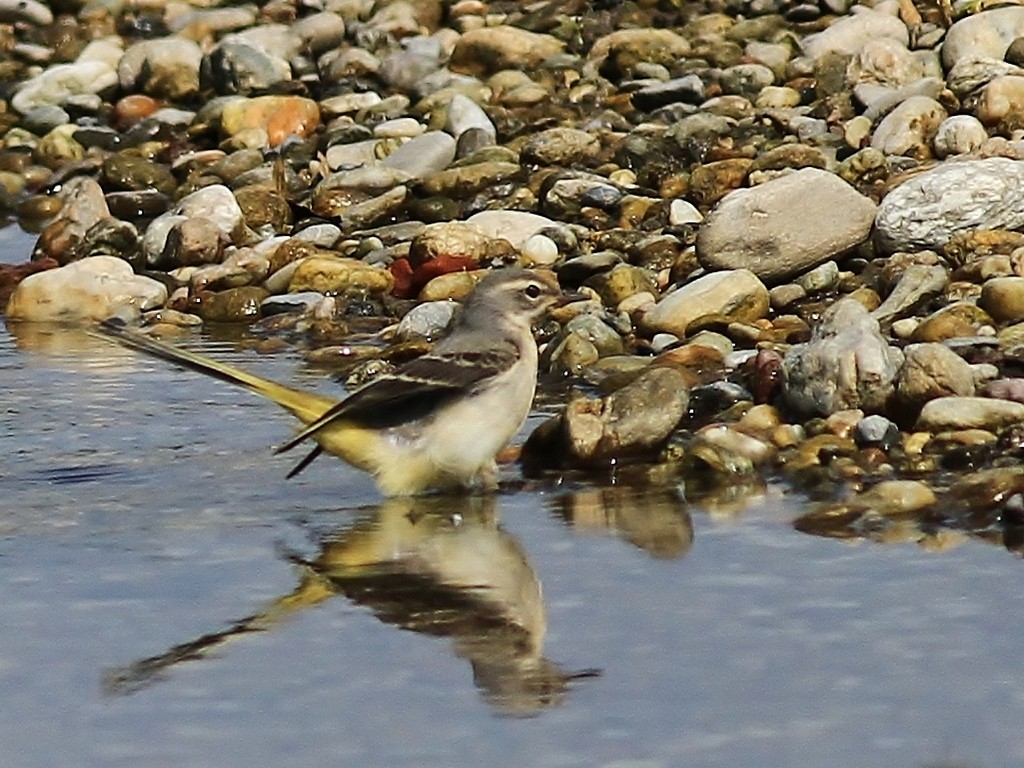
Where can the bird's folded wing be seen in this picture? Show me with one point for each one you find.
(412, 392)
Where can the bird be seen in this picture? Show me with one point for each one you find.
(435, 423)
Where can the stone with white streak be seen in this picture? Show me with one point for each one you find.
(928, 209)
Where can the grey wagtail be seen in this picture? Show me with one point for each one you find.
(438, 421)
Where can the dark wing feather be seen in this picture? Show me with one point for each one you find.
(412, 392)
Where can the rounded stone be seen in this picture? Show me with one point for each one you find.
(785, 226)
(736, 294)
(91, 289)
(959, 135)
(1003, 299)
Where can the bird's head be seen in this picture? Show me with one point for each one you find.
(517, 296)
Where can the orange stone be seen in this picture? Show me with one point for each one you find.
(279, 116)
(131, 109)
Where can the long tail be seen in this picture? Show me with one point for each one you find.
(307, 406)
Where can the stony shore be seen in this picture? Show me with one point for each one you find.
(799, 222)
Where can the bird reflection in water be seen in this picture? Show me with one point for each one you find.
(437, 565)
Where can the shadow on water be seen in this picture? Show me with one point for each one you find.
(441, 566)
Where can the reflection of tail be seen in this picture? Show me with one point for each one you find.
(130, 678)
(305, 405)
(121, 681)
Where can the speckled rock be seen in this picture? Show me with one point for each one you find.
(928, 209)
(910, 128)
(339, 275)
(90, 289)
(846, 364)
(560, 146)
(785, 226)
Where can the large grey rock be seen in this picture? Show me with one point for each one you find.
(846, 364)
(94, 288)
(983, 35)
(849, 34)
(785, 226)
(928, 209)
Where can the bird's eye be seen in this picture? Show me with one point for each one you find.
(533, 290)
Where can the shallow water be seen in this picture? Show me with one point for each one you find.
(168, 598)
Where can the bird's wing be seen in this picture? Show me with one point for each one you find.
(413, 391)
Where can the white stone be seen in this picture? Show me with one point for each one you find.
(94, 288)
(59, 83)
(683, 212)
(514, 226)
(539, 251)
(928, 209)
(959, 135)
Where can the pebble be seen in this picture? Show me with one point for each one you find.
(786, 226)
(983, 35)
(849, 35)
(735, 294)
(959, 135)
(423, 155)
(948, 413)
(910, 128)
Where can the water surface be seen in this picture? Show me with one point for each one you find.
(168, 598)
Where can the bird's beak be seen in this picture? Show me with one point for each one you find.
(571, 298)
